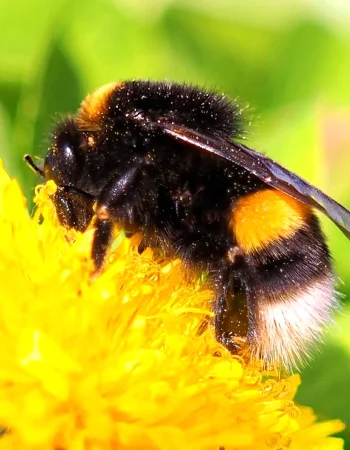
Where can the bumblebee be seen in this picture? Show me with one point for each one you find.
(164, 159)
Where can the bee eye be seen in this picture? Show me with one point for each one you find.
(61, 160)
(68, 160)
(67, 142)
(60, 165)
(67, 155)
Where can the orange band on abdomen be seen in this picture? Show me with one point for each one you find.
(261, 218)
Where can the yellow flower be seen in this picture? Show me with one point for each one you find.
(124, 361)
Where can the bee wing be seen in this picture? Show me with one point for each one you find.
(267, 170)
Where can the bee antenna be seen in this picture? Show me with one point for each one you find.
(29, 160)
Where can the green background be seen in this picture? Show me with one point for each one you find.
(289, 62)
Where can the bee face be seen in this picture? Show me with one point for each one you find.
(162, 159)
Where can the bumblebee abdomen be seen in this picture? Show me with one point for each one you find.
(288, 274)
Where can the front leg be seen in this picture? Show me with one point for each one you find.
(74, 208)
(114, 194)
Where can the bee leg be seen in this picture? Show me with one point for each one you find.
(73, 207)
(113, 195)
(102, 240)
(223, 331)
(235, 312)
(253, 312)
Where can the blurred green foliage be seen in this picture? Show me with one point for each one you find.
(288, 61)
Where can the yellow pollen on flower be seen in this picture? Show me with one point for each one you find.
(128, 361)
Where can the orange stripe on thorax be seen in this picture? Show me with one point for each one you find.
(261, 218)
(95, 106)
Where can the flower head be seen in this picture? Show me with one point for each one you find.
(123, 361)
